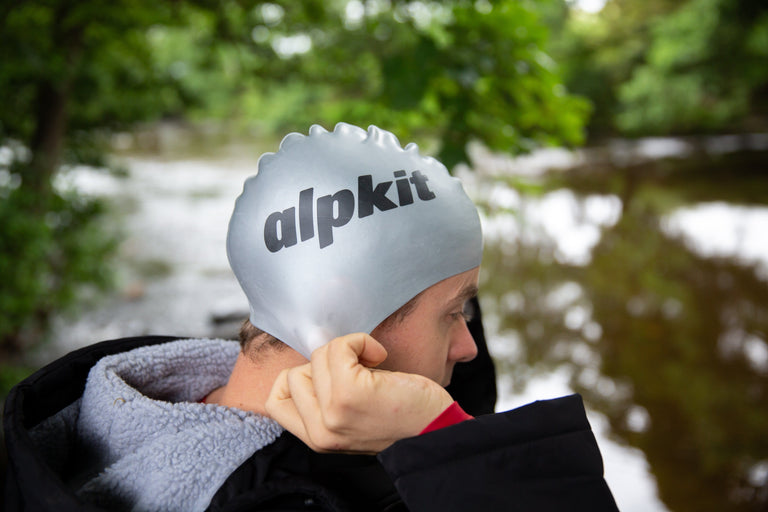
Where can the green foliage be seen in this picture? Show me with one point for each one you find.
(597, 54)
(702, 68)
(460, 71)
(449, 72)
(95, 50)
(46, 259)
(669, 67)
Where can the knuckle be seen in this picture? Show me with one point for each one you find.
(334, 420)
(292, 375)
(319, 353)
(326, 440)
(333, 347)
(339, 413)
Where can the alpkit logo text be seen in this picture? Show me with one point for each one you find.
(336, 210)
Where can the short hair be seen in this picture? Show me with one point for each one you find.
(249, 334)
(399, 315)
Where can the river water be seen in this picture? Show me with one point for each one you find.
(635, 274)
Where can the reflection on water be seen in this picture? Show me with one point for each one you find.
(653, 323)
(721, 229)
(640, 285)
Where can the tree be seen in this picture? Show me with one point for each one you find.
(69, 70)
(464, 70)
(706, 68)
(668, 67)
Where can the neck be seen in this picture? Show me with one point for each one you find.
(252, 378)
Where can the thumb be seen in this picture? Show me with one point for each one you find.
(354, 349)
(373, 353)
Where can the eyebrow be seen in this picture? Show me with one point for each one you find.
(465, 294)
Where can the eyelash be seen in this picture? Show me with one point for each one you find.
(466, 314)
(461, 316)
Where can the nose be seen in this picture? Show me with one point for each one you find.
(463, 347)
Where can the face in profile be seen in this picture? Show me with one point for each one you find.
(434, 336)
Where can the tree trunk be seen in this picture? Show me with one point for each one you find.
(47, 142)
(52, 96)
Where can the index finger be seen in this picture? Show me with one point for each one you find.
(281, 407)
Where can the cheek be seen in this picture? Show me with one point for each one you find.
(411, 353)
(398, 349)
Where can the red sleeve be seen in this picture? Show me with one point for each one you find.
(452, 415)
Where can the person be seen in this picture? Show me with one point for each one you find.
(359, 260)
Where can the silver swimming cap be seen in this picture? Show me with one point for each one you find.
(340, 229)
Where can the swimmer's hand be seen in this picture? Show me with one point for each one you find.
(339, 402)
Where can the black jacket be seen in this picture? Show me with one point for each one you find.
(540, 457)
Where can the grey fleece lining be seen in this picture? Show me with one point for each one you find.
(158, 448)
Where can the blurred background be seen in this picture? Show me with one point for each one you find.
(618, 151)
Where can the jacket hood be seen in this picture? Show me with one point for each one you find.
(141, 425)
